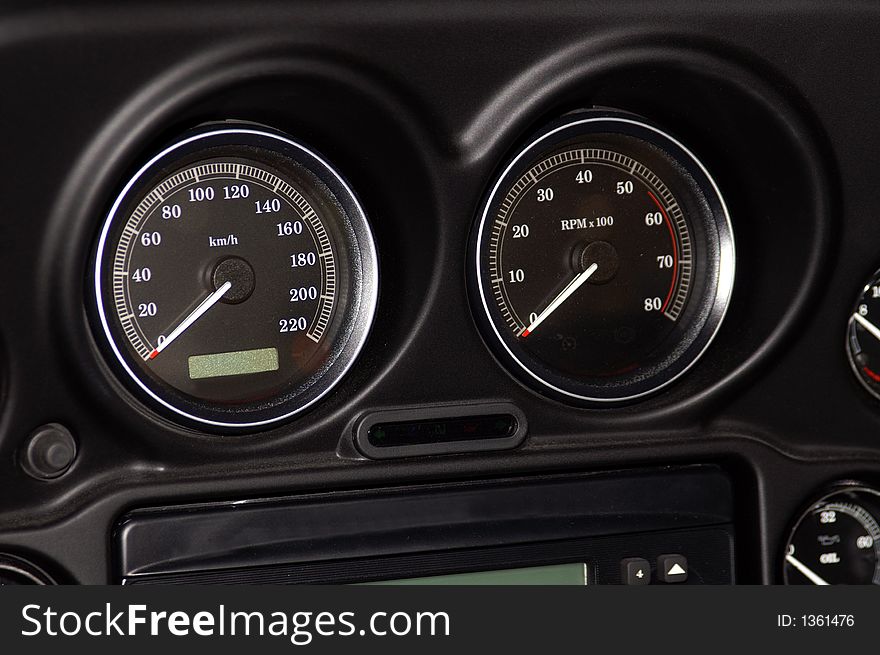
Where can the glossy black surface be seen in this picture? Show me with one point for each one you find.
(412, 531)
(491, 426)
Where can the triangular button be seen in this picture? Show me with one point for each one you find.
(676, 570)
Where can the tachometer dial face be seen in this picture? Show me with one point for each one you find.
(235, 277)
(836, 541)
(604, 259)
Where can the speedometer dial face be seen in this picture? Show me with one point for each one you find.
(604, 260)
(236, 278)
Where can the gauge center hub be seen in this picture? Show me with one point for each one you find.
(240, 274)
(604, 255)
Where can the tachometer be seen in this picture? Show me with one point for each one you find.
(604, 259)
(235, 277)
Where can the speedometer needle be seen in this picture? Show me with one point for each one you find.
(800, 566)
(195, 315)
(570, 288)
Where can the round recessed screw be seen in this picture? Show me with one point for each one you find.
(50, 451)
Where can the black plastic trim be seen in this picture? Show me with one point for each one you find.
(417, 415)
(244, 534)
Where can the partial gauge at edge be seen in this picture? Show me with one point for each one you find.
(235, 278)
(836, 540)
(863, 336)
(604, 259)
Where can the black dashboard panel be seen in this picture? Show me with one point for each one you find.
(364, 537)
(419, 105)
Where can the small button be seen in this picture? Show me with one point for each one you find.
(672, 568)
(49, 453)
(635, 571)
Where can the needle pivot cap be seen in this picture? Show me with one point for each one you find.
(240, 274)
(604, 255)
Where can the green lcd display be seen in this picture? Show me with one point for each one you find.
(556, 574)
(239, 362)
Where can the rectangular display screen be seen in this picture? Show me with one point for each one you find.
(555, 574)
(240, 362)
(464, 428)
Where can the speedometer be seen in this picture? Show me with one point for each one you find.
(604, 259)
(235, 277)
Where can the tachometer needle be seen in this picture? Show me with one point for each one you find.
(865, 323)
(195, 315)
(570, 288)
(800, 566)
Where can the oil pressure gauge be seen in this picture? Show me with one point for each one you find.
(603, 259)
(836, 540)
(235, 278)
